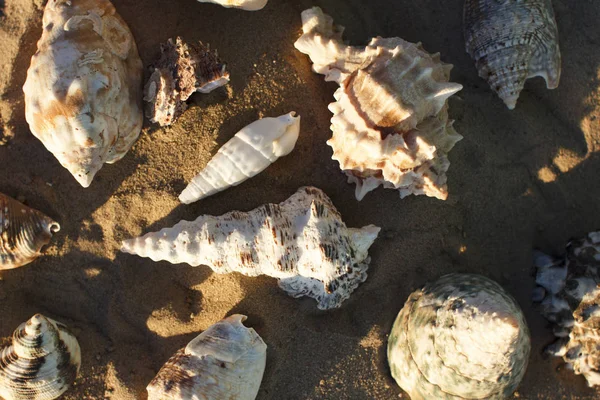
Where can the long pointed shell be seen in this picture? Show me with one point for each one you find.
(303, 242)
(23, 233)
(512, 41)
(248, 153)
(83, 88)
(41, 363)
(226, 361)
(461, 337)
(248, 5)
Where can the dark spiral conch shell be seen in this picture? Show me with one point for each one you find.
(23, 233)
(41, 363)
(461, 337)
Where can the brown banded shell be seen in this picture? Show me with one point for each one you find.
(23, 233)
(41, 363)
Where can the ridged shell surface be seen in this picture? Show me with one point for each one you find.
(226, 361)
(248, 5)
(303, 242)
(83, 95)
(23, 233)
(512, 41)
(460, 337)
(41, 363)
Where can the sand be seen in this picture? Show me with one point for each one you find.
(518, 180)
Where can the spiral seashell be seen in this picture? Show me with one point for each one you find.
(461, 337)
(226, 361)
(41, 363)
(303, 242)
(248, 153)
(23, 233)
(248, 5)
(512, 41)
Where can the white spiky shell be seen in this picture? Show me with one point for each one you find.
(41, 363)
(302, 241)
(83, 88)
(248, 5)
(248, 153)
(226, 361)
(460, 337)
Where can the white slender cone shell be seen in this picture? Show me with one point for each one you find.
(248, 153)
(248, 5)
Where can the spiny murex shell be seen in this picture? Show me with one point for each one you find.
(181, 70)
(226, 361)
(248, 153)
(248, 5)
(512, 41)
(23, 233)
(569, 292)
(303, 242)
(41, 363)
(390, 124)
(461, 337)
(83, 89)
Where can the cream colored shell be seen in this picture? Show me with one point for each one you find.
(248, 5)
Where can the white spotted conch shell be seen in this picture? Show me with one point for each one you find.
(303, 242)
(248, 153)
(23, 233)
(390, 124)
(512, 41)
(41, 363)
(460, 337)
(248, 5)
(83, 89)
(226, 361)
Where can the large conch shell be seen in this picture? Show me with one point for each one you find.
(41, 363)
(83, 89)
(226, 361)
(248, 153)
(23, 233)
(512, 41)
(390, 124)
(569, 293)
(248, 5)
(303, 242)
(461, 337)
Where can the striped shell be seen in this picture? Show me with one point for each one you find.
(41, 363)
(23, 233)
(461, 337)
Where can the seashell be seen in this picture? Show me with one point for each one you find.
(83, 89)
(181, 70)
(248, 5)
(226, 361)
(569, 291)
(390, 124)
(248, 153)
(23, 233)
(302, 242)
(460, 337)
(512, 41)
(41, 363)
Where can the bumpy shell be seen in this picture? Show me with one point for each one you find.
(569, 292)
(181, 70)
(461, 337)
(248, 5)
(248, 153)
(390, 124)
(512, 41)
(41, 363)
(83, 88)
(226, 361)
(23, 233)
(303, 242)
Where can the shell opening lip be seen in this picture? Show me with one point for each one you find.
(54, 227)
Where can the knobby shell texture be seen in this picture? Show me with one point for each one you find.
(512, 41)
(302, 241)
(83, 88)
(390, 124)
(461, 337)
(41, 363)
(248, 5)
(569, 292)
(226, 361)
(23, 233)
(248, 153)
